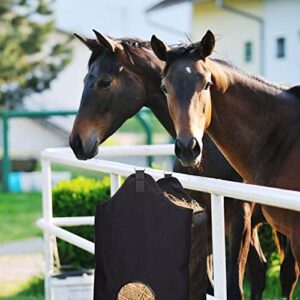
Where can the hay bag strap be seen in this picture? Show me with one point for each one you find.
(141, 237)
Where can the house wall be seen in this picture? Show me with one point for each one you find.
(232, 31)
(282, 19)
(120, 18)
(27, 138)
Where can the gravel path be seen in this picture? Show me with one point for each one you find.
(19, 261)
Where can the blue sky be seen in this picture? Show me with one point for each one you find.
(122, 18)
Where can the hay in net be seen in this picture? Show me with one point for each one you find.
(135, 291)
(193, 204)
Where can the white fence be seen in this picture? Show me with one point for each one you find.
(217, 188)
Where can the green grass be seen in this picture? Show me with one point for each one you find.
(32, 290)
(18, 214)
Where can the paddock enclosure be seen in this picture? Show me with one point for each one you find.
(217, 188)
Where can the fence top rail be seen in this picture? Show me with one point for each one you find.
(43, 113)
(253, 193)
(111, 151)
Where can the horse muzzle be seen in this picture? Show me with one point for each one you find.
(84, 149)
(188, 151)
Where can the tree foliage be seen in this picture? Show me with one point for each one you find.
(29, 60)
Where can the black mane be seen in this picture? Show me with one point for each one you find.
(135, 42)
(127, 43)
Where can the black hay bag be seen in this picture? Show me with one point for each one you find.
(147, 247)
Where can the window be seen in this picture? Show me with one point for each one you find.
(280, 47)
(248, 51)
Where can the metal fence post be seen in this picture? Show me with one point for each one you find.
(5, 157)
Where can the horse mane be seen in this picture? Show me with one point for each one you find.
(257, 78)
(128, 44)
(134, 42)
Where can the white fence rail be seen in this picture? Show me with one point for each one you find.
(217, 188)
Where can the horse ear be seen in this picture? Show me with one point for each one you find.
(106, 42)
(206, 46)
(91, 44)
(159, 48)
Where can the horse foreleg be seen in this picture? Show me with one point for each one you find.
(257, 266)
(289, 273)
(290, 266)
(239, 242)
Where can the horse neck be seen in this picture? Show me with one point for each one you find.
(247, 121)
(149, 69)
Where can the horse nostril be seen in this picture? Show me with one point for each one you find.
(178, 147)
(192, 143)
(76, 144)
(195, 146)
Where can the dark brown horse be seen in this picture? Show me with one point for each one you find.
(254, 123)
(123, 76)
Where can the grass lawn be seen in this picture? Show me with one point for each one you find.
(18, 214)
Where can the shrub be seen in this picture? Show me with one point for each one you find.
(78, 197)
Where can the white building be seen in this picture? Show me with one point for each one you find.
(282, 40)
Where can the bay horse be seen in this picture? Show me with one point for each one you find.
(254, 123)
(123, 76)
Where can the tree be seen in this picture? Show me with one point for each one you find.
(29, 61)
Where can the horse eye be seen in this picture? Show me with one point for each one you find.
(104, 83)
(207, 86)
(163, 88)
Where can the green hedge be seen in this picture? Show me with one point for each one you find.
(78, 197)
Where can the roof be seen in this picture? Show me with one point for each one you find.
(167, 3)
